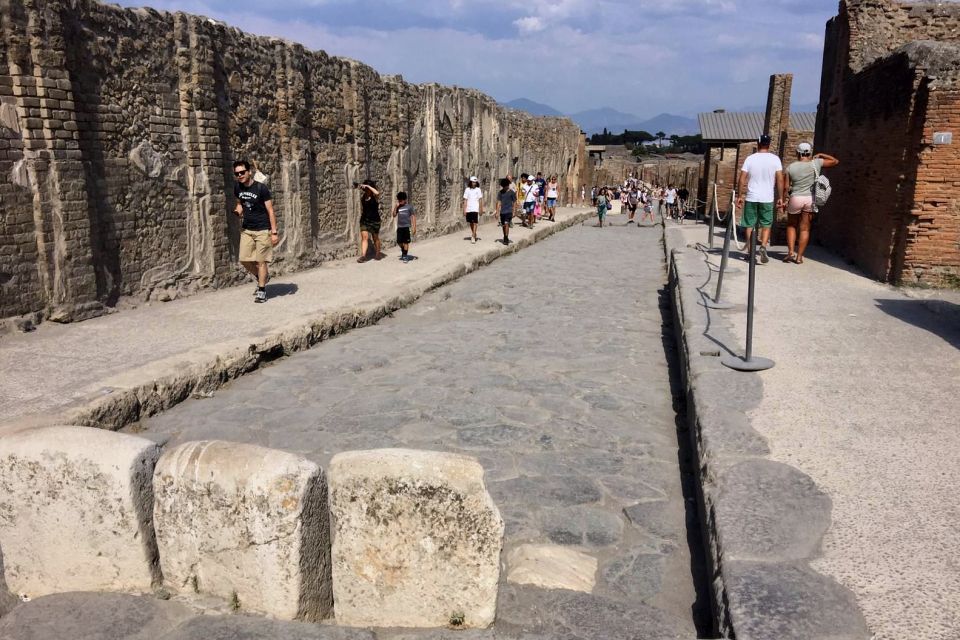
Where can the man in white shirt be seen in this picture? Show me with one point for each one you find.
(760, 176)
(473, 206)
(530, 193)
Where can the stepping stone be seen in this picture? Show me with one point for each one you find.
(247, 524)
(76, 511)
(416, 540)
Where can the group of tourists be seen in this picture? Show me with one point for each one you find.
(531, 199)
(634, 194)
(763, 185)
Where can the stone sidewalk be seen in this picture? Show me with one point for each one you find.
(830, 479)
(113, 370)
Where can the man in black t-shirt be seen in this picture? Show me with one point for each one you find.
(258, 234)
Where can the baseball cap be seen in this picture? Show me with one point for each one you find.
(474, 179)
(764, 140)
(804, 148)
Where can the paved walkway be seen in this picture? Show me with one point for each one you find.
(864, 399)
(110, 370)
(551, 367)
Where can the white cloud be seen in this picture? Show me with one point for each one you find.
(530, 24)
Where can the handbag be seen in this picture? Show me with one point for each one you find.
(821, 188)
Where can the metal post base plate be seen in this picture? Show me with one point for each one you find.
(753, 364)
(710, 304)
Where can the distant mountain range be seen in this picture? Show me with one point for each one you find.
(595, 120)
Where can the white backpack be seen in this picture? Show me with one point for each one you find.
(821, 188)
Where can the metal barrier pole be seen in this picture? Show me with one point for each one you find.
(712, 217)
(717, 303)
(749, 362)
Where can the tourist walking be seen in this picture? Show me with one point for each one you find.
(541, 192)
(258, 226)
(602, 200)
(798, 181)
(671, 201)
(633, 200)
(506, 201)
(529, 200)
(406, 216)
(553, 192)
(583, 195)
(369, 219)
(760, 178)
(473, 206)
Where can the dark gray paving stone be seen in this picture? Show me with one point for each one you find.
(93, 616)
(770, 511)
(657, 517)
(582, 616)
(638, 574)
(546, 491)
(240, 627)
(790, 602)
(589, 526)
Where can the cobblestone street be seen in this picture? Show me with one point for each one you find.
(549, 367)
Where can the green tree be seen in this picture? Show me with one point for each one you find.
(660, 137)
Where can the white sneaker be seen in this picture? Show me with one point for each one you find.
(473, 241)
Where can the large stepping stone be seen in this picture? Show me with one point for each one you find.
(416, 540)
(76, 511)
(247, 524)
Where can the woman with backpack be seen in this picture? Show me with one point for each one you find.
(602, 202)
(799, 180)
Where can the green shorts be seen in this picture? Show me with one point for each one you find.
(754, 210)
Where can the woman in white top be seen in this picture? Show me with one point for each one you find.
(553, 192)
(798, 181)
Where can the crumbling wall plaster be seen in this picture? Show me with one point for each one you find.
(118, 129)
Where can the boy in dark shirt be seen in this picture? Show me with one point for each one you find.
(258, 235)
(406, 217)
(506, 201)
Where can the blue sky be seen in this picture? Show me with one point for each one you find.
(640, 56)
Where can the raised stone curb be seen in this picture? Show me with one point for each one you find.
(247, 524)
(76, 511)
(416, 540)
(763, 520)
(150, 389)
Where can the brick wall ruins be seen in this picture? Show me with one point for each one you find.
(118, 128)
(891, 78)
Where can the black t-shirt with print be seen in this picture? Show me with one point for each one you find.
(254, 199)
(369, 210)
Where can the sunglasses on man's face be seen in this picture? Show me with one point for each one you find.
(239, 173)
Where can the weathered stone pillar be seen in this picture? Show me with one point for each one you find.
(43, 97)
(776, 122)
(203, 134)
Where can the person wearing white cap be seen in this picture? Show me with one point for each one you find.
(798, 181)
(473, 206)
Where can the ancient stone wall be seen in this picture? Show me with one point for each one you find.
(118, 129)
(885, 90)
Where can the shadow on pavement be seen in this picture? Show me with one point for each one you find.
(941, 320)
(281, 289)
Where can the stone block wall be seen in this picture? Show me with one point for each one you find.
(118, 129)
(887, 86)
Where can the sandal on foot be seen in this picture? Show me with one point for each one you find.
(798, 260)
(790, 258)
(362, 259)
